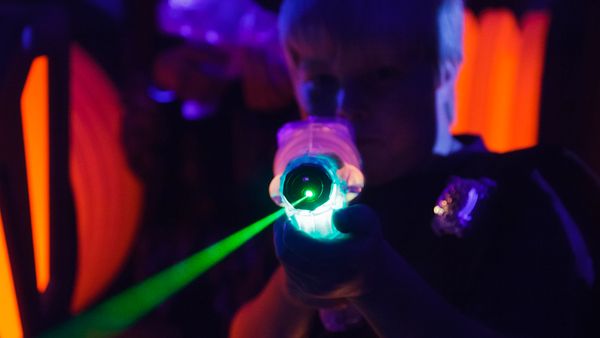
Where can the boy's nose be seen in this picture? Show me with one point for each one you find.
(319, 101)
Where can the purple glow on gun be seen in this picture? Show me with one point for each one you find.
(325, 143)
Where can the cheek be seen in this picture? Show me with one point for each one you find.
(405, 125)
(409, 118)
(408, 128)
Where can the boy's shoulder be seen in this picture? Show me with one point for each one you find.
(556, 163)
(545, 182)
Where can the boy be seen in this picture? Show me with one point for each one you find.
(491, 259)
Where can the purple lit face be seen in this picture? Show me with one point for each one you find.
(370, 73)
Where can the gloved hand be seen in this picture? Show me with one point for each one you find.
(325, 273)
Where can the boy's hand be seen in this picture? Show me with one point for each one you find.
(321, 273)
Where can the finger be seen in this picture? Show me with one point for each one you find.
(299, 243)
(314, 301)
(288, 251)
(300, 251)
(278, 236)
(356, 219)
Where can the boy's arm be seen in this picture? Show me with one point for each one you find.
(399, 303)
(526, 288)
(272, 313)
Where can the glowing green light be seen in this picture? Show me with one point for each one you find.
(125, 309)
(315, 178)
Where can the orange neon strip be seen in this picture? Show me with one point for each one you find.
(464, 122)
(500, 42)
(499, 87)
(107, 195)
(34, 107)
(10, 320)
(526, 107)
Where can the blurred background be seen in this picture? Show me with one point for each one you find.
(134, 133)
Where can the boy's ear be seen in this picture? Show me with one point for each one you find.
(447, 73)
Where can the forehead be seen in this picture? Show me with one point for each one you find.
(356, 31)
(350, 58)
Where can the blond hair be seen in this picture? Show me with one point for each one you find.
(430, 29)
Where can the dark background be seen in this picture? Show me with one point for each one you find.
(184, 164)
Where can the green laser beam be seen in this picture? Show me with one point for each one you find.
(125, 309)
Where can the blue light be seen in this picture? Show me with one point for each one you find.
(161, 95)
(27, 38)
(192, 110)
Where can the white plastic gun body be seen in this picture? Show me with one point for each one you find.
(318, 162)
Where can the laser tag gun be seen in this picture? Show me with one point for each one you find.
(316, 171)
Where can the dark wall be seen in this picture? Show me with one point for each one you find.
(571, 90)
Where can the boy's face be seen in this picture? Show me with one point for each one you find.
(388, 97)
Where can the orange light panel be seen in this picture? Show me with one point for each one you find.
(499, 46)
(107, 195)
(498, 89)
(535, 26)
(34, 108)
(10, 321)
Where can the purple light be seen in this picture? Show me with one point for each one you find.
(193, 110)
(464, 214)
(181, 3)
(185, 31)
(212, 37)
